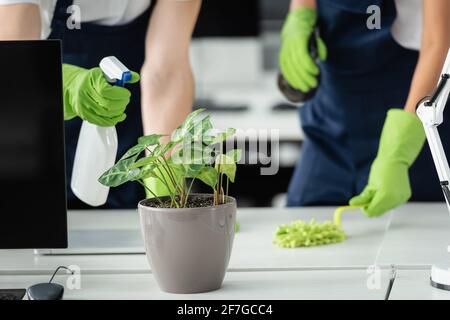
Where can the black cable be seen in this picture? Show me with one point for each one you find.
(437, 92)
(56, 271)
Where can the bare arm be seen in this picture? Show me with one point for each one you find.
(20, 22)
(167, 81)
(303, 3)
(434, 48)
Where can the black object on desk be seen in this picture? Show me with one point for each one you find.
(12, 294)
(212, 106)
(45, 291)
(48, 290)
(281, 107)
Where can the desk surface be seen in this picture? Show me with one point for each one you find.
(253, 247)
(415, 285)
(419, 235)
(413, 236)
(350, 284)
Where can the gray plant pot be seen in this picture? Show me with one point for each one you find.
(189, 249)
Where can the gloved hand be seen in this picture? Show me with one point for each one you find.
(401, 141)
(296, 63)
(89, 96)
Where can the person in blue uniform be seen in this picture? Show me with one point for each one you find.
(149, 36)
(378, 58)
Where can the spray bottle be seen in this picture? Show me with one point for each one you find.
(97, 146)
(294, 95)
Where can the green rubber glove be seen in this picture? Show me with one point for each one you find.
(89, 96)
(401, 141)
(296, 64)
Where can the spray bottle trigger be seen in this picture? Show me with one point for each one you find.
(126, 77)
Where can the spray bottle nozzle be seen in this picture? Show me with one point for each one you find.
(116, 73)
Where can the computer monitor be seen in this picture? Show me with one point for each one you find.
(32, 167)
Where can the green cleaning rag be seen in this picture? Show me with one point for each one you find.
(308, 234)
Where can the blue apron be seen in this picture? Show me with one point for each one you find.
(85, 48)
(366, 74)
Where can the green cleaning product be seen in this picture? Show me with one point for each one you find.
(308, 234)
(337, 216)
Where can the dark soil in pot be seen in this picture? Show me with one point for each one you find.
(194, 201)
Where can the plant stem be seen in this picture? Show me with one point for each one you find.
(220, 187)
(170, 173)
(185, 193)
(217, 188)
(188, 192)
(151, 192)
(228, 183)
(163, 180)
(171, 176)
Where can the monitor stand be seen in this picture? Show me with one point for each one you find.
(100, 241)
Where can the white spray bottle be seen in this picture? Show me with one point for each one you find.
(97, 146)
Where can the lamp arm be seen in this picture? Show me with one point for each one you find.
(430, 111)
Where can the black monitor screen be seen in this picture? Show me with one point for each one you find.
(32, 175)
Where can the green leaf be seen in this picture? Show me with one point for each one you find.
(157, 151)
(192, 170)
(209, 153)
(168, 147)
(134, 151)
(176, 167)
(199, 129)
(209, 176)
(194, 153)
(119, 174)
(149, 160)
(193, 145)
(187, 125)
(150, 140)
(143, 143)
(191, 117)
(146, 172)
(178, 134)
(227, 166)
(208, 139)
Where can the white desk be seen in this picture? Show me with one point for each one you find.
(26, 262)
(253, 248)
(293, 285)
(413, 236)
(415, 285)
(419, 235)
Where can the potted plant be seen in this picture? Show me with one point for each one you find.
(188, 237)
